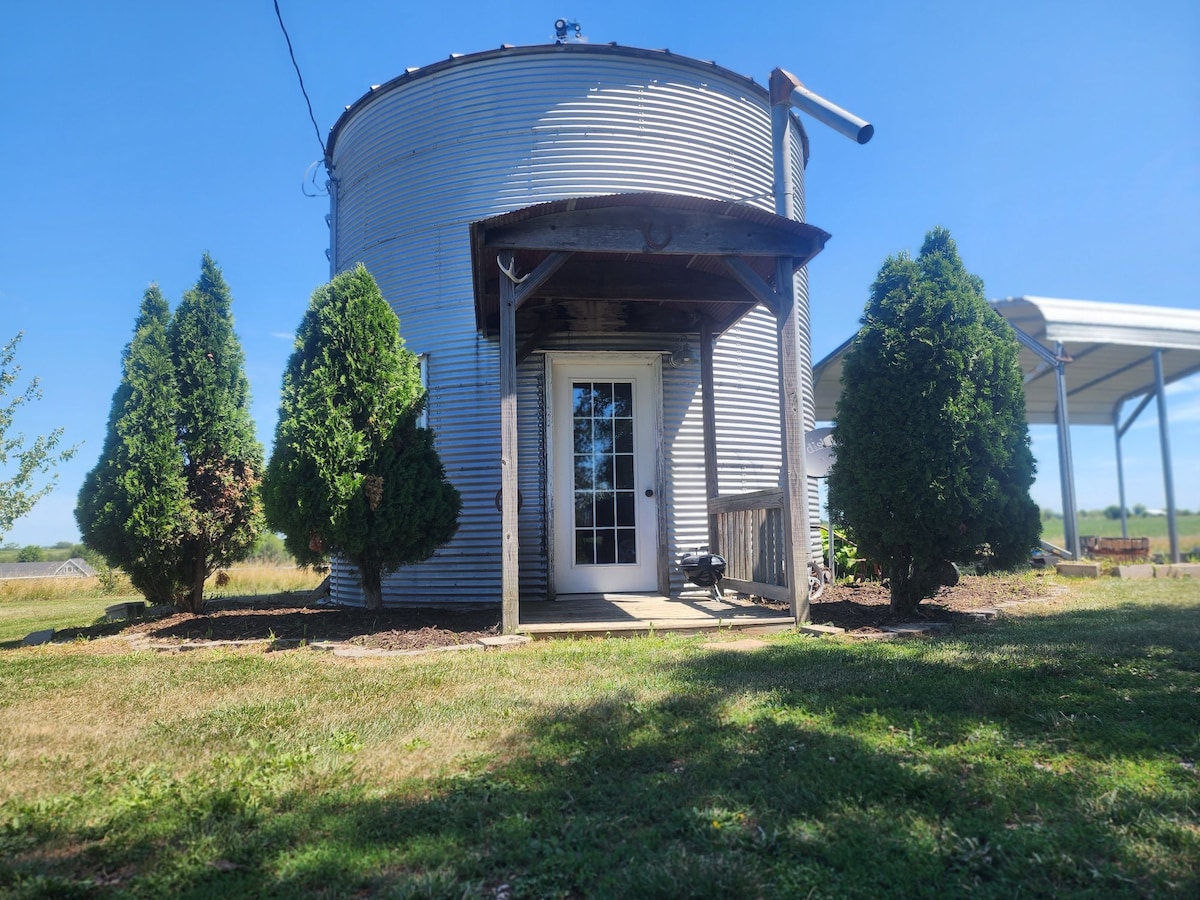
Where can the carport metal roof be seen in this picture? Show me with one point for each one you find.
(1082, 360)
(1109, 351)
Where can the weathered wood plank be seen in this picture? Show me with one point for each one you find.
(665, 231)
(510, 572)
(641, 613)
(795, 482)
(771, 498)
(636, 279)
(750, 280)
(709, 416)
(535, 279)
(776, 592)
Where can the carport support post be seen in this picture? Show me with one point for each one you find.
(1164, 441)
(1120, 473)
(510, 573)
(1066, 466)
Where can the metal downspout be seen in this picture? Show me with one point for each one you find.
(785, 203)
(794, 477)
(332, 186)
(1164, 441)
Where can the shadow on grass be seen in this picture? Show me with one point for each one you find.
(1045, 756)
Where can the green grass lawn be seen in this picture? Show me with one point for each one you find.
(1053, 753)
(29, 605)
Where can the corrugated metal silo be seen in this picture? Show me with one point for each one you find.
(416, 161)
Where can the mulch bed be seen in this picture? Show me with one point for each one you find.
(282, 619)
(859, 607)
(867, 605)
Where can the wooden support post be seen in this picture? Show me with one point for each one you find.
(510, 572)
(709, 404)
(795, 481)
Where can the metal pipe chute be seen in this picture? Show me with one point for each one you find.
(786, 88)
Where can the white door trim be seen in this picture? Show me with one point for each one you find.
(646, 368)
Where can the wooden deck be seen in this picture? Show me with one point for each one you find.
(633, 614)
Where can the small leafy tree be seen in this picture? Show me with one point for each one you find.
(30, 553)
(269, 550)
(18, 493)
(222, 459)
(932, 442)
(133, 508)
(351, 473)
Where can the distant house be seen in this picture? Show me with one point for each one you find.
(71, 568)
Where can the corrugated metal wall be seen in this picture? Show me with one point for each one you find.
(419, 159)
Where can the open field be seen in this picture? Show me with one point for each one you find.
(1153, 527)
(1053, 753)
(28, 605)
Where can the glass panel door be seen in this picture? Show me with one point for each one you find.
(603, 441)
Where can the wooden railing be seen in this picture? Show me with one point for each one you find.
(750, 538)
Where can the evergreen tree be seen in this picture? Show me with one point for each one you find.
(933, 456)
(222, 459)
(133, 508)
(351, 473)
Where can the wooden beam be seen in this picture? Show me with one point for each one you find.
(510, 572)
(535, 339)
(758, 589)
(795, 481)
(667, 231)
(750, 280)
(709, 414)
(638, 279)
(535, 279)
(771, 498)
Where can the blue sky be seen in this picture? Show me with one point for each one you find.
(1058, 141)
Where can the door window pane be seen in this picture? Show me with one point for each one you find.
(602, 434)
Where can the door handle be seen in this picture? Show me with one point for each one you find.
(649, 492)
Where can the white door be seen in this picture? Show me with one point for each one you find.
(603, 439)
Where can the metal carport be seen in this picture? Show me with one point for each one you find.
(1083, 361)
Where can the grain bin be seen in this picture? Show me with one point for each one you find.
(539, 134)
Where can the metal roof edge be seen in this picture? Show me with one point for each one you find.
(1094, 321)
(507, 50)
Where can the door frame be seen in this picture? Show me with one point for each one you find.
(558, 360)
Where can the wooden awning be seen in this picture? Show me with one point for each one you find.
(645, 262)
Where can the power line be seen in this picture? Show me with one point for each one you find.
(296, 66)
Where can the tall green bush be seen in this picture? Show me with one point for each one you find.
(222, 459)
(133, 508)
(175, 494)
(933, 455)
(351, 473)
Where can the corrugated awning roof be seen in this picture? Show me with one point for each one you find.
(646, 262)
(1109, 346)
